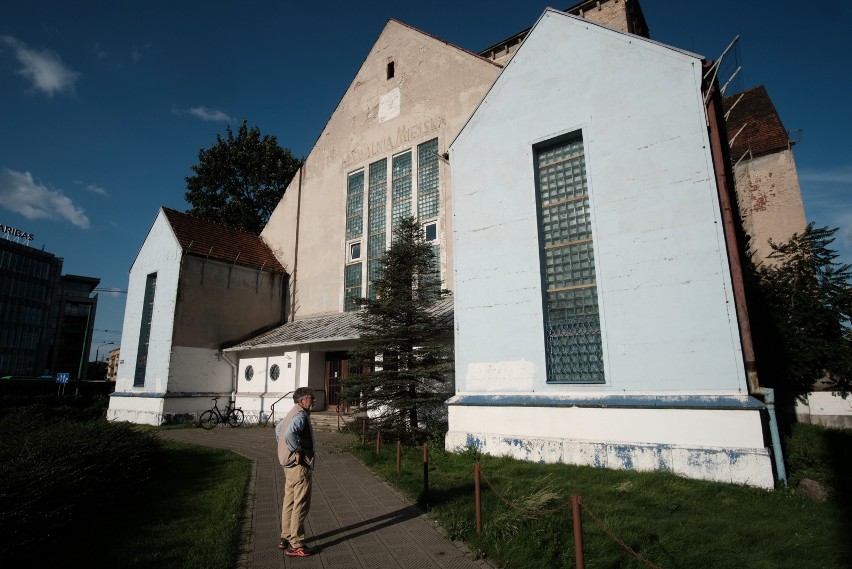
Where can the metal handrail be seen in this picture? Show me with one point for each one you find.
(289, 393)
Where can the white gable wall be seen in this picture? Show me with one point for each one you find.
(674, 396)
(161, 254)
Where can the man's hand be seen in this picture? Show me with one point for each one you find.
(296, 458)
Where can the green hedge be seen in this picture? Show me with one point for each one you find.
(59, 470)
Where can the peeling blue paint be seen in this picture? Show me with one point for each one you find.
(610, 401)
(624, 454)
(474, 443)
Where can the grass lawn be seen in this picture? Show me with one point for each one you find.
(673, 522)
(188, 516)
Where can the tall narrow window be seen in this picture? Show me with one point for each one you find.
(427, 180)
(145, 330)
(354, 232)
(377, 206)
(400, 187)
(351, 287)
(390, 70)
(355, 205)
(572, 321)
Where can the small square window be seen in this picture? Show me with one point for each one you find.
(430, 231)
(355, 251)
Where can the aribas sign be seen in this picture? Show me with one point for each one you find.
(8, 229)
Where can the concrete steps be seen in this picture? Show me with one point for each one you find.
(325, 422)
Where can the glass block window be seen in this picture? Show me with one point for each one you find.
(572, 320)
(376, 217)
(351, 286)
(373, 271)
(400, 187)
(427, 179)
(145, 330)
(355, 205)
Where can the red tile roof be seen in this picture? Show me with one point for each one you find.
(205, 238)
(764, 133)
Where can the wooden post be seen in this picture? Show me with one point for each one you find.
(477, 490)
(578, 532)
(398, 455)
(378, 441)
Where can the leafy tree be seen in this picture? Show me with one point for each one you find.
(801, 310)
(405, 348)
(239, 180)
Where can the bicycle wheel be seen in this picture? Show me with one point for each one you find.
(208, 420)
(236, 417)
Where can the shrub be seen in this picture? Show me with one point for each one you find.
(57, 474)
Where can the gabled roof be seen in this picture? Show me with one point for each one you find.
(329, 328)
(764, 133)
(211, 240)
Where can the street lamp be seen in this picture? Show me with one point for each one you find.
(99, 349)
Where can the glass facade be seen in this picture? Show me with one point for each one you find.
(46, 318)
(386, 204)
(572, 321)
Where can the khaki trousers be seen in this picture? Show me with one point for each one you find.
(297, 502)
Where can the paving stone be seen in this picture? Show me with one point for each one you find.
(356, 519)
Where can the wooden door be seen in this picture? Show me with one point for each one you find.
(336, 371)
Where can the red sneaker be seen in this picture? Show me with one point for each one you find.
(298, 552)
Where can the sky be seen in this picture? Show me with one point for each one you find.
(105, 105)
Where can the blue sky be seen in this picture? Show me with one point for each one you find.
(105, 105)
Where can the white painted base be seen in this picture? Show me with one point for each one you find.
(694, 443)
(139, 410)
(825, 408)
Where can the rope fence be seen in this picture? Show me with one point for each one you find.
(575, 502)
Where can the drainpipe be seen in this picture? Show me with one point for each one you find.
(769, 398)
(224, 356)
(725, 187)
(293, 277)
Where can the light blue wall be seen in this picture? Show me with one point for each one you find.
(667, 315)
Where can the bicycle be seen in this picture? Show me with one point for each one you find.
(232, 416)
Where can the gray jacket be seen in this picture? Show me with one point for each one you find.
(294, 434)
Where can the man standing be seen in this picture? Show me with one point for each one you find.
(296, 455)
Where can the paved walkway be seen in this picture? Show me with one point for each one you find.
(356, 519)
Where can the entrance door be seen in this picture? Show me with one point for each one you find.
(336, 370)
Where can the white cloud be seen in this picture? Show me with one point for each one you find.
(44, 68)
(93, 188)
(23, 195)
(206, 114)
(840, 175)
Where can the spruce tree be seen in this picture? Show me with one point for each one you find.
(801, 313)
(405, 349)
